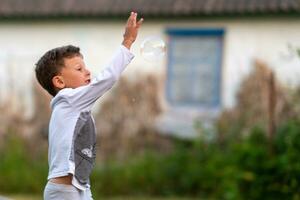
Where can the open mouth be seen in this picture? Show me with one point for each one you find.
(88, 81)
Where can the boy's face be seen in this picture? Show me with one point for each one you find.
(74, 74)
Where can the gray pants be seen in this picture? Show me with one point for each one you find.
(54, 191)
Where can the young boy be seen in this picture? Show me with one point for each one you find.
(62, 72)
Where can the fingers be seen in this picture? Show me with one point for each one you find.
(132, 20)
(139, 23)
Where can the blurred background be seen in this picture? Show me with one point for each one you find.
(217, 118)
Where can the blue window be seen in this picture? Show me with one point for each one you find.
(194, 67)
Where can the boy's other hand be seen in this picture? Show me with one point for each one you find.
(131, 29)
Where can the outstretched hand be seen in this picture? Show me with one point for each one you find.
(131, 29)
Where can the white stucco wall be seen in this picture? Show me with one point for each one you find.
(22, 43)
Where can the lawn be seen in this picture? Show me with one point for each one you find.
(26, 197)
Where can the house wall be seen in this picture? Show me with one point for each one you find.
(22, 43)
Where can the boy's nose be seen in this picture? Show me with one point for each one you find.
(88, 72)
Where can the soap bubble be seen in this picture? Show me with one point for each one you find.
(153, 49)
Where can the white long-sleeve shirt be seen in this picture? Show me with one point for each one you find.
(72, 134)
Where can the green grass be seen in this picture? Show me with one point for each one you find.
(23, 197)
(28, 197)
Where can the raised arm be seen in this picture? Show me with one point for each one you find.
(84, 97)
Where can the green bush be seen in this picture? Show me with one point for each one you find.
(19, 171)
(252, 168)
(248, 168)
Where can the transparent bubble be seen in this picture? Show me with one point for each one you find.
(153, 49)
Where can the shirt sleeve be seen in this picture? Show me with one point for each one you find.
(84, 97)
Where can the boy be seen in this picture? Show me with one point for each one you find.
(62, 72)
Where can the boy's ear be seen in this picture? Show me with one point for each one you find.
(58, 82)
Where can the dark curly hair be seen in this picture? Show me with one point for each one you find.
(51, 63)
